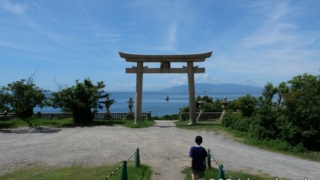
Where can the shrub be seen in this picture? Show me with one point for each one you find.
(81, 99)
(21, 97)
(247, 105)
(236, 121)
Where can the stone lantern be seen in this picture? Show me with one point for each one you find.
(130, 114)
(201, 115)
(224, 106)
(237, 107)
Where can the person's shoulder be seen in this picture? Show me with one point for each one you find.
(204, 149)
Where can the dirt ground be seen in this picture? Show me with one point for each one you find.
(164, 147)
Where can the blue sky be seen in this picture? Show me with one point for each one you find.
(253, 42)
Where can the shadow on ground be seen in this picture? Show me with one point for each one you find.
(56, 124)
(199, 125)
(97, 123)
(31, 130)
(166, 126)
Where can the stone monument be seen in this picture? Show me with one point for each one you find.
(130, 113)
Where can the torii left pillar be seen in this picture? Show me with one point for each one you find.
(139, 80)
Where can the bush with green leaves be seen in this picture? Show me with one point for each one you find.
(301, 121)
(233, 105)
(237, 121)
(82, 100)
(209, 106)
(247, 105)
(292, 117)
(264, 124)
(230, 119)
(21, 97)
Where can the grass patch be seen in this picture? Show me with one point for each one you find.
(243, 137)
(201, 125)
(213, 174)
(100, 123)
(68, 122)
(79, 172)
(34, 122)
(143, 123)
(167, 117)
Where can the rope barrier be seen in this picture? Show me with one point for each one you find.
(131, 156)
(212, 158)
(113, 172)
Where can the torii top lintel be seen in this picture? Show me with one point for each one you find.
(165, 58)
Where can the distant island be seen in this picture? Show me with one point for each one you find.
(206, 87)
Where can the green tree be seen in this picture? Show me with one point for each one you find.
(264, 126)
(214, 106)
(247, 105)
(233, 105)
(210, 105)
(294, 116)
(302, 112)
(3, 106)
(21, 97)
(283, 89)
(82, 100)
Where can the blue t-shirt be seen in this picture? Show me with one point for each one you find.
(198, 155)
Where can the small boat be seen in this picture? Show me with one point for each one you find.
(167, 98)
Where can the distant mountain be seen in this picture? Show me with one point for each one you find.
(215, 87)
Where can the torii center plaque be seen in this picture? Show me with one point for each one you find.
(165, 61)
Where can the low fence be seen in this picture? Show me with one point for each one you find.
(63, 115)
(204, 115)
(221, 171)
(124, 173)
(6, 116)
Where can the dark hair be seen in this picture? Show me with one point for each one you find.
(198, 140)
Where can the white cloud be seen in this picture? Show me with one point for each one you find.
(250, 81)
(275, 25)
(153, 86)
(203, 78)
(107, 37)
(170, 39)
(15, 8)
(38, 6)
(280, 11)
(129, 86)
(206, 78)
(272, 34)
(178, 81)
(276, 47)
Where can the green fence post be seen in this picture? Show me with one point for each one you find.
(208, 160)
(124, 173)
(220, 173)
(137, 159)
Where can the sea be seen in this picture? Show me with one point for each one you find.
(156, 101)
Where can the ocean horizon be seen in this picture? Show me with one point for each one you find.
(156, 101)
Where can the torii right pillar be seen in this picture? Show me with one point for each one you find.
(192, 104)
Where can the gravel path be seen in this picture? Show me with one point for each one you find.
(163, 146)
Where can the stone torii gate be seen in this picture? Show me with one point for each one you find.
(165, 61)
